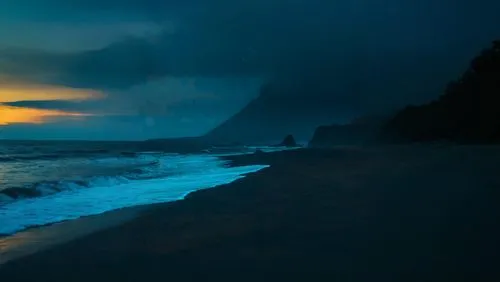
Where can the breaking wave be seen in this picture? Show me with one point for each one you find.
(147, 179)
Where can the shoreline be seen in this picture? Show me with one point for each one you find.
(39, 238)
(315, 214)
(72, 204)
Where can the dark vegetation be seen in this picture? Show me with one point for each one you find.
(468, 111)
(358, 132)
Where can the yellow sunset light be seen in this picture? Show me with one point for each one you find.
(33, 92)
(17, 91)
(12, 115)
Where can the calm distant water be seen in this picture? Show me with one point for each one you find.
(45, 182)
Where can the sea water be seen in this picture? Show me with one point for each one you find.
(48, 182)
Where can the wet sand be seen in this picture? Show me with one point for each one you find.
(373, 214)
(37, 239)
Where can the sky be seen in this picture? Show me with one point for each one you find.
(140, 69)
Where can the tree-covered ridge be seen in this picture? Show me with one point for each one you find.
(468, 111)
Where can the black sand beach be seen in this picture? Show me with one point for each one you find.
(372, 214)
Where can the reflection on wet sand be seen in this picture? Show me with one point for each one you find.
(38, 239)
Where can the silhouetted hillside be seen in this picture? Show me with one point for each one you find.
(323, 90)
(361, 131)
(278, 111)
(468, 111)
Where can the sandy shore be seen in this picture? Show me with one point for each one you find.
(373, 214)
(41, 238)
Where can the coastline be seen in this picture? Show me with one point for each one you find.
(40, 238)
(322, 214)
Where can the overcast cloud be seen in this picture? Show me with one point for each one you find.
(154, 57)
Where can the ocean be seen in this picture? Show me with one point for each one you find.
(44, 182)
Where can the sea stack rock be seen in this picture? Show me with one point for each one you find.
(289, 141)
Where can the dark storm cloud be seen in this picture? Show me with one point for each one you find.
(196, 98)
(262, 37)
(372, 51)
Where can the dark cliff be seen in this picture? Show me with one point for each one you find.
(468, 111)
(359, 132)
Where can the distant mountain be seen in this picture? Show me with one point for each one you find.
(273, 115)
(468, 111)
(324, 91)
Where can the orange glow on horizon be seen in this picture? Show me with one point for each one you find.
(12, 115)
(15, 91)
(34, 92)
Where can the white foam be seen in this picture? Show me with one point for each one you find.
(72, 204)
